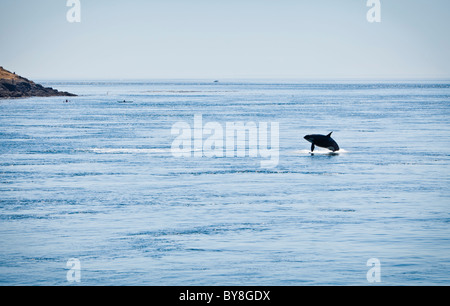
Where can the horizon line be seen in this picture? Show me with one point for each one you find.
(308, 79)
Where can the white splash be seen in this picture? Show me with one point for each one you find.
(320, 151)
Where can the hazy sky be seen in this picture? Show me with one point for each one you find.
(147, 39)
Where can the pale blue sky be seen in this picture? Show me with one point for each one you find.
(148, 39)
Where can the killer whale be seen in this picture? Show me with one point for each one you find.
(322, 141)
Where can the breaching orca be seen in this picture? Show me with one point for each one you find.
(322, 141)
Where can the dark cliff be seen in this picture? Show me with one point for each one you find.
(14, 86)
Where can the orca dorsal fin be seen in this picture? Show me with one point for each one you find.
(329, 135)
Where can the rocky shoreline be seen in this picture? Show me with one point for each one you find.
(14, 86)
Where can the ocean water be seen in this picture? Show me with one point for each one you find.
(95, 180)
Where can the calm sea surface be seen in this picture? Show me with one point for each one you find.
(95, 180)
